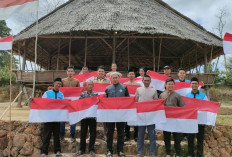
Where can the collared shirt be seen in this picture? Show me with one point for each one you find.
(182, 81)
(103, 80)
(172, 99)
(146, 94)
(198, 95)
(131, 83)
(52, 94)
(117, 90)
(70, 82)
(85, 94)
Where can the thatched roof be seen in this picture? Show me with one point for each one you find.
(142, 17)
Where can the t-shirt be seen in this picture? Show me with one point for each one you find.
(146, 94)
(103, 80)
(172, 99)
(70, 82)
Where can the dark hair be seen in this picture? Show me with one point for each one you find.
(180, 69)
(169, 80)
(194, 79)
(131, 70)
(84, 67)
(58, 79)
(142, 68)
(71, 67)
(146, 76)
(101, 67)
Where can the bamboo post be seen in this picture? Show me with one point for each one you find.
(206, 62)
(128, 51)
(58, 56)
(86, 49)
(114, 46)
(159, 54)
(69, 56)
(153, 48)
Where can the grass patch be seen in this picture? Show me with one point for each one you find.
(224, 120)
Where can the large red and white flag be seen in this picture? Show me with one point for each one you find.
(227, 43)
(6, 43)
(71, 93)
(183, 88)
(82, 108)
(85, 77)
(48, 110)
(207, 110)
(9, 7)
(118, 109)
(180, 119)
(157, 80)
(132, 89)
(149, 112)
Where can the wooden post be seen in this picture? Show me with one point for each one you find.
(153, 47)
(86, 50)
(206, 62)
(69, 56)
(128, 50)
(159, 54)
(114, 46)
(58, 56)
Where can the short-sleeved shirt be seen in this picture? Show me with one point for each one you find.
(85, 94)
(131, 83)
(98, 80)
(146, 94)
(70, 82)
(182, 81)
(172, 99)
(198, 95)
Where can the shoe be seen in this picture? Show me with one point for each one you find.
(136, 139)
(43, 155)
(121, 154)
(79, 153)
(108, 154)
(58, 154)
(91, 154)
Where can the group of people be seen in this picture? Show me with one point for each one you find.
(115, 89)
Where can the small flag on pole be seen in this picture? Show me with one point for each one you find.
(227, 43)
(6, 43)
(8, 7)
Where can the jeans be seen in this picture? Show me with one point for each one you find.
(72, 129)
(120, 139)
(151, 134)
(200, 139)
(49, 129)
(177, 140)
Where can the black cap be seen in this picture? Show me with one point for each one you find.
(58, 79)
(166, 67)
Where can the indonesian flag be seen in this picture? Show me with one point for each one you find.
(8, 7)
(183, 88)
(149, 112)
(157, 80)
(6, 42)
(82, 108)
(118, 109)
(123, 80)
(71, 93)
(48, 110)
(180, 119)
(132, 89)
(85, 77)
(227, 43)
(207, 110)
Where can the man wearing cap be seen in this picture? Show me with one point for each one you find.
(167, 71)
(115, 90)
(69, 82)
(52, 127)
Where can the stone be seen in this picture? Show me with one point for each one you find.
(212, 143)
(2, 123)
(29, 130)
(27, 149)
(215, 152)
(222, 141)
(37, 132)
(20, 129)
(19, 140)
(3, 142)
(7, 127)
(228, 149)
(223, 152)
(228, 135)
(217, 133)
(3, 133)
(36, 152)
(17, 123)
(15, 151)
(37, 141)
(29, 138)
(6, 152)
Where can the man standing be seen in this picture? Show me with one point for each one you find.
(172, 99)
(88, 122)
(52, 127)
(113, 69)
(69, 82)
(181, 74)
(115, 90)
(101, 76)
(146, 93)
(196, 94)
(131, 81)
(167, 71)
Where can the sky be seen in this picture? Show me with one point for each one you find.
(203, 12)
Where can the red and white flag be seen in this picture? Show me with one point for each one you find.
(118, 109)
(180, 119)
(48, 110)
(71, 93)
(6, 43)
(82, 108)
(85, 77)
(157, 80)
(183, 88)
(149, 112)
(227, 43)
(132, 89)
(8, 7)
(207, 110)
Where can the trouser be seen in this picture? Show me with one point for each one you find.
(151, 134)
(120, 139)
(177, 139)
(200, 139)
(49, 129)
(127, 131)
(72, 129)
(92, 124)
(105, 129)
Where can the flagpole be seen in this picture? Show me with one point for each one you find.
(36, 42)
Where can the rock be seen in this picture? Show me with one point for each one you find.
(229, 149)
(37, 132)
(215, 152)
(29, 138)
(36, 152)
(7, 127)
(3, 142)
(212, 143)
(1, 153)
(15, 151)
(2, 123)
(6, 152)
(29, 130)
(37, 141)
(217, 133)
(17, 123)
(27, 149)
(19, 140)
(228, 135)
(223, 152)
(3, 133)
(20, 129)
